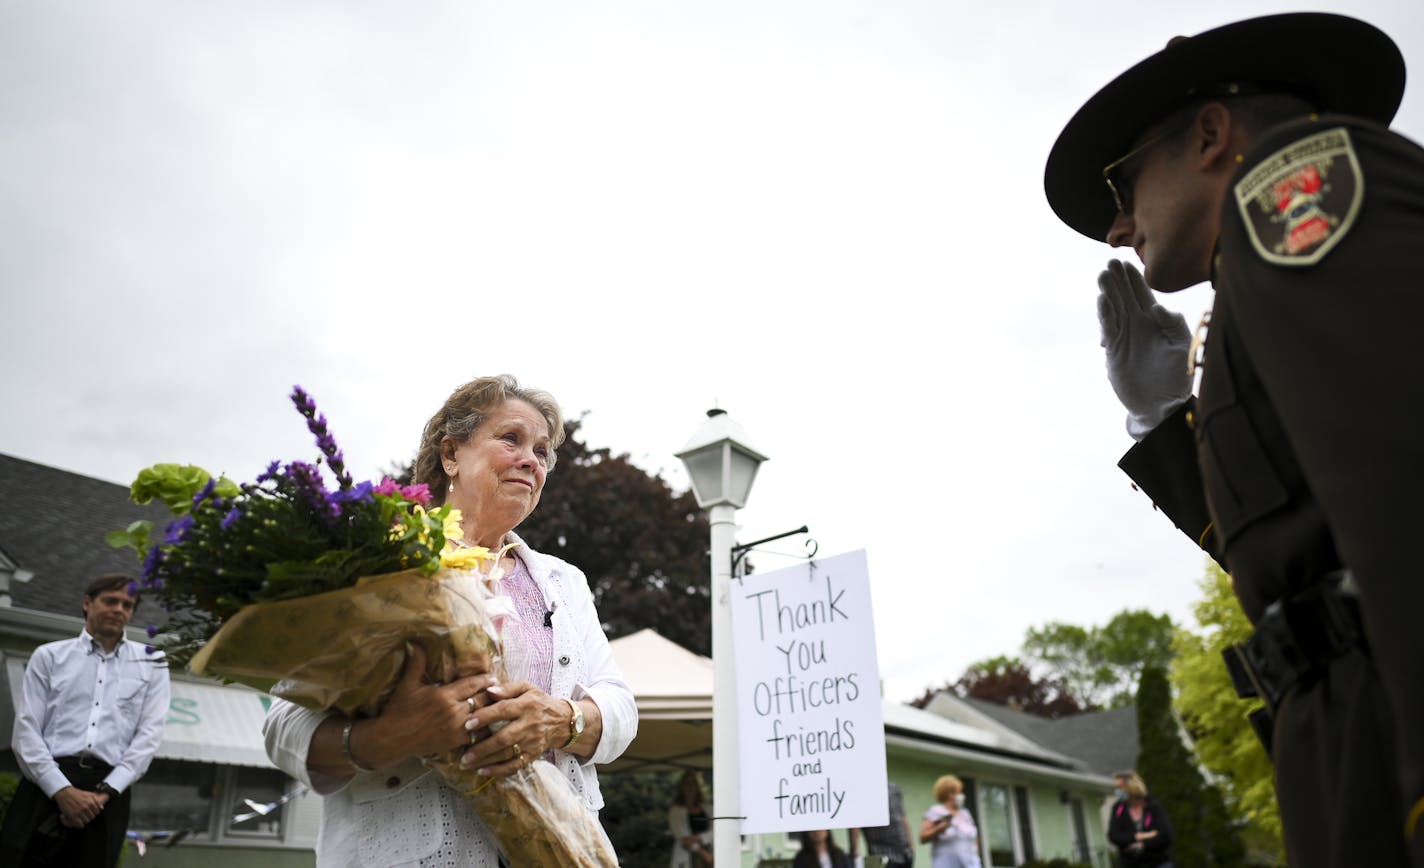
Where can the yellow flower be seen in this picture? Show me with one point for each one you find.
(473, 558)
(453, 531)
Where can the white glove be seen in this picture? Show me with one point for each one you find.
(1146, 346)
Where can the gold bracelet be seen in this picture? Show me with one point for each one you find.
(346, 748)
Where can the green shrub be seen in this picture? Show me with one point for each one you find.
(634, 815)
(8, 783)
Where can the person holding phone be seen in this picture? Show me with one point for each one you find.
(949, 829)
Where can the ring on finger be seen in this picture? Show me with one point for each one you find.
(472, 736)
(471, 701)
(518, 751)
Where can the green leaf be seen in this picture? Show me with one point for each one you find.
(135, 536)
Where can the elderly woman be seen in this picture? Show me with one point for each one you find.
(948, 825)
(1138, 826)
(486, 452)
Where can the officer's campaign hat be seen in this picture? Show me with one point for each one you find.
(1338, 64)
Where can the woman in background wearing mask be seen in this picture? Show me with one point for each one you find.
(1138, 826)
(948, 825)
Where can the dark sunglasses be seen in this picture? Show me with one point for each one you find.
(1119, 180)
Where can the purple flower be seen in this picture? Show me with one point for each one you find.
(151, 564)
(307, 482)
(230, 519)
(324, 441)
(152, 630)
(131, 589)
(271, 472)
(317, 424)
(360, 493)
(303, 401)
(177, 530)
(206, 492)
(149, 649)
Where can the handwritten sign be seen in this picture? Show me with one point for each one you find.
(810, 734)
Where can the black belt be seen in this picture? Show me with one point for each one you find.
(1295, 640)
(85, 761)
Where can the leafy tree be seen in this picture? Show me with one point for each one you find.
(1225, 744)
(1066, 669)
(1007, 681)
(1202, 829)
(1101, 665)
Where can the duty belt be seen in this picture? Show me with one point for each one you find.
(1295, 640)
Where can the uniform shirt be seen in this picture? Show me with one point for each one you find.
(1302, 455)
(79, 700)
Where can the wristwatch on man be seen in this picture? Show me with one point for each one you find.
(104, 788)
(575, 724)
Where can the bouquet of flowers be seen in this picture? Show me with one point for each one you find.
(315, 594)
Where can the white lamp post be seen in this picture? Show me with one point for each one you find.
(722, 466)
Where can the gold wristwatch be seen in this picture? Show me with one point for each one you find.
(575, 724)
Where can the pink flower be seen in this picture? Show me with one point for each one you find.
(387, 487)
(419, 493)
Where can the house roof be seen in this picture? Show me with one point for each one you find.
(931, 726)
(52, 524)
(1105, 741)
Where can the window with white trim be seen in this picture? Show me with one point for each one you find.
(208, 802)
(996, 825)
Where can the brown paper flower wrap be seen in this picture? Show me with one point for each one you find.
(345, 649)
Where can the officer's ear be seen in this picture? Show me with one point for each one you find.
(1212, 137)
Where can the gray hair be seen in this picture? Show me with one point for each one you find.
(465, 411)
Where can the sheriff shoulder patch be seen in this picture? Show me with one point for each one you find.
(1299, 202)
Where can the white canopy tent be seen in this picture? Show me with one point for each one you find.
(673, 689)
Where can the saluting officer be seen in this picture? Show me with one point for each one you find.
(1257, 156)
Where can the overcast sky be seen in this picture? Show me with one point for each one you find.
(825, 216)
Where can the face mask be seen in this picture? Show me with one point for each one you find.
(1120, 793)
(959, 800)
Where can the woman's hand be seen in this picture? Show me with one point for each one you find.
(532, 722)
(418, 719)
(931, 829)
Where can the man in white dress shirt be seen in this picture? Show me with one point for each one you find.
(89, 722)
